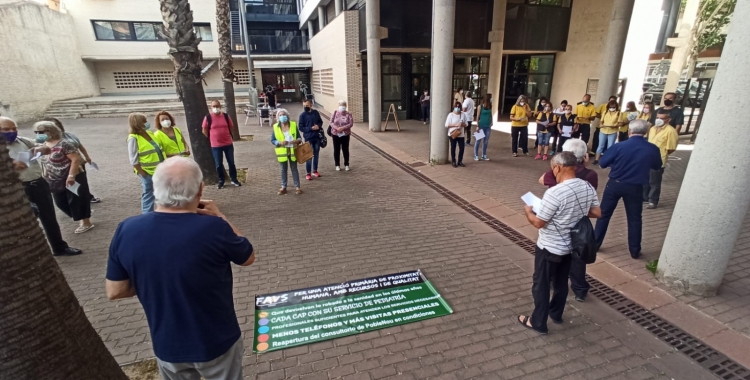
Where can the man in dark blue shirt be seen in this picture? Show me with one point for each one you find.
(631, 162)
(177, 260)
(310, 124)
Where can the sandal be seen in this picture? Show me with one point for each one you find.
(281, 191)
(83, 229)
(298, 191)
(523, 320)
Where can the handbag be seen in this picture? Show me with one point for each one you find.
(329, 131)
(303, 152)
(456, 133)
(323, 139)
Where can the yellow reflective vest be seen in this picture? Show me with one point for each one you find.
(171, 147)
(283, 153)
(148, 155)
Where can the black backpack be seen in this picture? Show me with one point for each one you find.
(208, 120)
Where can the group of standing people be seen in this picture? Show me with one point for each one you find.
(459, 123)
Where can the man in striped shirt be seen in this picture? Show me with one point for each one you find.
(562, 207)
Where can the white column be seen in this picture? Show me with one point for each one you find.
(680, 44)
(441, 86)
(711, 207)
(614, 47)
(339, 4)
(321, 18)
(310, 29)
(496, 54)
(374, 34)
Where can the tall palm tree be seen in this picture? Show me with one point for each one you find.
(187, 58)
(43, 330)
(226, 65)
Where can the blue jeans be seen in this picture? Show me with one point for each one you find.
(632, 197)
(227, 151)
(315, 144)
(147, 197)
(295, 173)
(485, 141)
(542, 139)
(605, 142)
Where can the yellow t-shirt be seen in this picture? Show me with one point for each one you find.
(585, 114)
(610, 122)
(601, 109)
(518, 111)
(665, 138)
(624, 119)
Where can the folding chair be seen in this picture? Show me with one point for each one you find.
(249, 112)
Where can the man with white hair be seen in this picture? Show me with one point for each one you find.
(177, 260)
(36, 188)
(631, 162)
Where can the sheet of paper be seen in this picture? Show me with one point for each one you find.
(478, 135)
(38, 154)
(533, 201)
(73, 188)
(544, 123)
(24, 157)
(94, 165)
(567, 130)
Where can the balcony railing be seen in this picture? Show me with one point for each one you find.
(278, 44)
(272, 11)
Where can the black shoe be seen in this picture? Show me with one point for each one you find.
(70, 251)
(636, 256)
(556, 321)
(596, 162)
(461, 164)
(236, 183)
(580, 299)
(651, 206)
(220, 185)
(454, 164)
(95, 200)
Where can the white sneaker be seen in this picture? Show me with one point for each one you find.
(347, 168)
(338, 168)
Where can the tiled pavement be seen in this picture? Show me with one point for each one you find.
(374, 220)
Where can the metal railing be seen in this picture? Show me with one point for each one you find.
(278, 44)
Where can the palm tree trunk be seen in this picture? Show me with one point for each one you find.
(43, 330)
(226, 65)
(187, 58)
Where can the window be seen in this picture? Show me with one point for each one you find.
(203, 31)
(140, 31)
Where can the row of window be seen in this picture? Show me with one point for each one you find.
(141, 31)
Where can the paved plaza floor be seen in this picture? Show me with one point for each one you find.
(378, 219)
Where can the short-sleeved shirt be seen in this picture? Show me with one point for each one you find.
(676, 116)
(542, 117)
(610, 122)
(57, 165)
(220, 133)
(519, 112)
(665, 139)
(453, 119)
(469, 105)
(180, 266)
(562, 207)
(585, 114)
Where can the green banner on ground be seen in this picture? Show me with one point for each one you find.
(304, 316)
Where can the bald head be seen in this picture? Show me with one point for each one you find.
(178, 184)
(7, 123)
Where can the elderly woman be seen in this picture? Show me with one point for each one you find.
(519, 125)
(341, 129)
(145, 153)
(63, 170)
(286, 138)
(169, 136)
(77, 143)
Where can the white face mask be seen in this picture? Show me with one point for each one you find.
(342, 108)
(165, 123)
(216, 110)
(645, 110)
(659, 123)
(612, 109)
(521, 103)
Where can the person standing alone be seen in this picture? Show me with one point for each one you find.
(217, 127)
(424, 102)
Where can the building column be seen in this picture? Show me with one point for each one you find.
(339, 6)
(496, 54)
(441, 78)
(681, 45)
(321, 18)
(614, 49)
(374, 34)
(310, 29)
(711, 209)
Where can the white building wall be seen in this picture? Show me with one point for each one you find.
(40, 61)
(328, 51)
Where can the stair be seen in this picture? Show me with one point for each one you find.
(123, 106)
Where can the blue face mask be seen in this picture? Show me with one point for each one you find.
(147, 126)
(456, 109)
(284, 118)
(9, 136)
(40, 138)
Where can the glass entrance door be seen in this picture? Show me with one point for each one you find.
(529, 75)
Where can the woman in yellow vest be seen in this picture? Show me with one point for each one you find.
(145, 153)
(169, 136)
(519, 122)
(285, 137)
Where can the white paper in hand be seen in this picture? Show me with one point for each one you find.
(94, 165)
(478, 135)
(73, 188)
(38, 154)
(533, 201)
(24, 157)
(567, 130)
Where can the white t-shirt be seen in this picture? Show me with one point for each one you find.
(562, 207)
(469, 106)
(453, 119)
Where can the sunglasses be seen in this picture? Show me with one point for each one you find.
(40, 132)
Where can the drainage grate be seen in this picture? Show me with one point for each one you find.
(707, 357)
